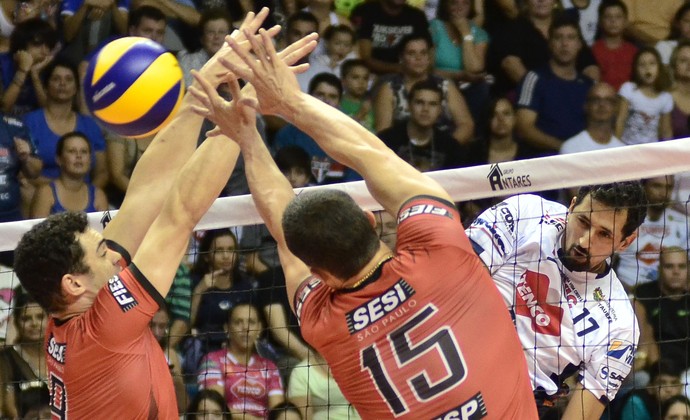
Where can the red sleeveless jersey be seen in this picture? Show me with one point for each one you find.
(106, 362)
(428, 336)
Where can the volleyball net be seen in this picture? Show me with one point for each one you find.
(479, 184)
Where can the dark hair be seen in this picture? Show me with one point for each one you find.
(327, 78)
(666, 406)
(427, 84)
(62, 140)
(289, 157)
(675, 23)
(609, 4)
(276, 412)
(46, 253)
(332, 30)
(413, 37)
(326, 229)
(301, 16)
(350, 64)
(490, 111)
(150, 12)
(564, 21)
(202, 264)
(207, 394)
(628, 195)
(214, 14)
(59, 61)
(20, 300)
(33, 31)
(443, 14)
(662, 82)
(663, 367)
(674, 55)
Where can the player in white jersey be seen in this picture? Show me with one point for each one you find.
(550, 264)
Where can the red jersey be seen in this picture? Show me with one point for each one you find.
(106, 362)
(428, 335)
(247, 387)
(616, 65)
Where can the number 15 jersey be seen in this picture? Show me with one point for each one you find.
(427, 336)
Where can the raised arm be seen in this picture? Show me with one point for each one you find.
(390, 180)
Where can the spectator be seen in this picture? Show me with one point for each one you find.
(588, 16)
(500, 144)
(613, 53)
(644, 404)
(59, 117)
(663, 227)
(680, 31)
(552, 99)
(390, 102)
(87, 23)
(386, 228)
(148, 22)
(323, 11)
(214, 25)
(380, 26)
(179, 302)
(31, 43)
(299, 25)
(160, 327)
(13, 12)
(327, 88)
(23, 369)
(676, 408)
(19, 165)
(315, 393)
(70, 191)
(650, 22)
(525, 45)
(355, 101)
(208, 405)
(338, 42)
(416, 139)
(644, 115)
(181, 17)
(600, 110)
(251, 384)
(680, 68)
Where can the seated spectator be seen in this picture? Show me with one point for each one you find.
(13, 12)
(59, 117)
(587, 14)
(417, 139)
(20, 165)
(650, 22)
(500, 144)
(181, 17)
(337, 41)
(680, 31)
(644, 115)
(644, 404)
(323, 11)
(552, 99)
(299, 25)
(148, 22)
(86, 24)
(524, 45)
(613, 53)
(160, 327)
(680, 69)
(31, 43)
(380, 26)
(356, 102)
(676, 408)
(70, 191)
(600, 110)
(23, 369)
(250, 383)
(390, 102)
(315, 393)
(208, 404)
(214, 25)
(328, 89)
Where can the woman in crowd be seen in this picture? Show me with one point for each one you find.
(390, 102)
(676, 408)
(251, 384)
(680, 68)
(59, 117)
(70, 191)
(500, 144)
(680, 32)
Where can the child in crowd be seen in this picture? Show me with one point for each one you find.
(613, 53)
(338, 44)
(355, 101)
(644, 115)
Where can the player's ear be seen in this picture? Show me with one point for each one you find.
(72, 285)
(371, 217)
(627, 241)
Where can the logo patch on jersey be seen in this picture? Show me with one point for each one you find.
(378, 307)
(532, 290)
(598, 294)
(490, 229)
(506, 179)
(557, 222)
(472, 409)
(122, 295)
(57, 350)
(312, 284)
(508, 218)
(58, 397)
(622, 350)
(613, 377)
(420, 209)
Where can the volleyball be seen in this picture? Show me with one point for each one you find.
(133, 86)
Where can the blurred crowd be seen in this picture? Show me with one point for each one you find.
(444, 83)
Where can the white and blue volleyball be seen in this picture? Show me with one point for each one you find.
(133, 86)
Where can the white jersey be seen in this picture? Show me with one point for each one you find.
(639, 263)
(567, 321)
